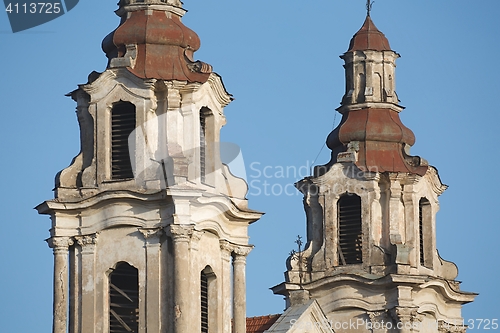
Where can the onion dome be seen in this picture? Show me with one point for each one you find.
(155, 44)
(369, 38)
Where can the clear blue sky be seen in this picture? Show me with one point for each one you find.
(280, 61)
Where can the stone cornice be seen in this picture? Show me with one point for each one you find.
(229, 209)
(370, 105)
(99, 88)
(447, 291)
(168, 8)
(435, 182)
(48, 207)
(391, 280)
(221, 94)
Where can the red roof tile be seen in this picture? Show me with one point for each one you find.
(262, 323)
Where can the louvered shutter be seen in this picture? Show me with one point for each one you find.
(122, 124)
(349, 230)
(204, 303)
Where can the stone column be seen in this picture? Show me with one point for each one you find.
(181, 235)
(60, 246)
(239, 285)
(153, 292)
(88, 319)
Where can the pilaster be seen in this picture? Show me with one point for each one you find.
(153, 278)
(60, 247)
(239, 302)
(181, 236)
(226, 250)
(90, 308)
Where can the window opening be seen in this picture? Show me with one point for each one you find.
(123, 122)
(349, 230)
(124, 299)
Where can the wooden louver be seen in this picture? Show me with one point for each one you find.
(204, 303)
(124, 299)
(203, 146)
(122, 124)
(349, 230)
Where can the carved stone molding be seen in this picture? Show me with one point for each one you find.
(60, 243)
(242, 250)
(87, 242)
(240, 253)
(174, 94)
(151, 236)
(195, 239)
(180, 233)
(444, 327)
(405, 315)
(226, 249)
(380, 319)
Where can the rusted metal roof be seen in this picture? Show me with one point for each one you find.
(382, 139)
(369, 38)
(260, 324)
(165, 46)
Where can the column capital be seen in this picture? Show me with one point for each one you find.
(226, 246)
(151, 235)
(226, 249)
(240, 252)
(180, 232)
(405, 314)
(87, 240)
(59, 242)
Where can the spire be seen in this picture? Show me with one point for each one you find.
(369, 5)
(153, 43)
(371, 133)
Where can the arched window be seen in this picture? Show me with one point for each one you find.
(350, 241)
(204, 302)
(207, 146)
(208, 301)
(424, 232)
(122, 124)
(124, 299)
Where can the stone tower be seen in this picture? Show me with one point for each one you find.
(370, 263)
(149, 227)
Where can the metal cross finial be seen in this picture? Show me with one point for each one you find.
(369, 5)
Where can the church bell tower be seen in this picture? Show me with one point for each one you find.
(371, 262)
(149, 227)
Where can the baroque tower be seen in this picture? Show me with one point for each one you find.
(149, 227)
(370, 263)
